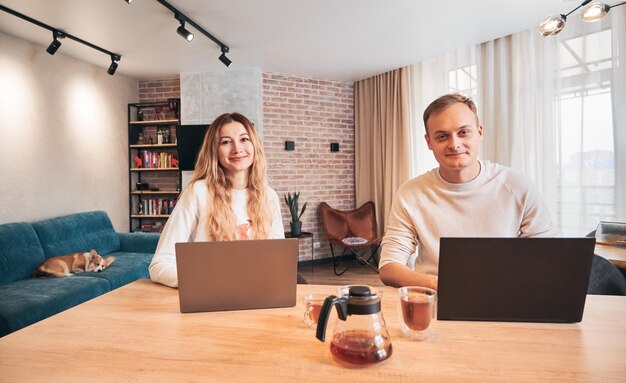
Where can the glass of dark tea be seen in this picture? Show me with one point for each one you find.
(416, 310)
(313, 306)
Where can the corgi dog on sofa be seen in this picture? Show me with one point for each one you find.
(66, 265)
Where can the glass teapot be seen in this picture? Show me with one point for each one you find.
(360, 337)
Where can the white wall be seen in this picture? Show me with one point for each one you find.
(63, 135)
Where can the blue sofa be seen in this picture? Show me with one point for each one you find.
(25, 300)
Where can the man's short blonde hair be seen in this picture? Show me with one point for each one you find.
(446, 101)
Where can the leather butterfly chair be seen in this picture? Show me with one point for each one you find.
(355, 231)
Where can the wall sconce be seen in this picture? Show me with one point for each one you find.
(595, 11)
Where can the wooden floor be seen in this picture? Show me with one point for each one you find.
(324, 275)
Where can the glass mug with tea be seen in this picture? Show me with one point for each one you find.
(360, 336)
(313, 306)
(416, 310)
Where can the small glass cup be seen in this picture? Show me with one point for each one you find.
(416, 310)
(313, 305)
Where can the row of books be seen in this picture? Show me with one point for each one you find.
(156, 206)
(157, 160)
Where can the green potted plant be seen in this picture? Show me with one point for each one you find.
(292, 204)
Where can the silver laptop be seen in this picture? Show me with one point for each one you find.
(237, 275)
(514, 279)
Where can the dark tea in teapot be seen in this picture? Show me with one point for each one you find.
(358, 347)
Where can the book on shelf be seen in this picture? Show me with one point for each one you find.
(157, 206)
(156, 160)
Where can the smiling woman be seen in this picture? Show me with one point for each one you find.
(227, 197)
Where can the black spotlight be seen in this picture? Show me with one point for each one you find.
(128, 1)
(225, 60)
(184, 32)
(113, 66)
(223, 57)
(55, 44)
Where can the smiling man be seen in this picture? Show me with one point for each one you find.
(463, 197)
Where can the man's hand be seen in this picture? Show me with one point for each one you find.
(397, 275)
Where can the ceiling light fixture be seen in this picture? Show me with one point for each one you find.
(57, 34)
(128, 1)
(552, 25)
(223, 57)
(113, 66)
(597, 10)
(181, 30)
(55, 44)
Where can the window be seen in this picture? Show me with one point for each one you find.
(464, 80)
(586, 158)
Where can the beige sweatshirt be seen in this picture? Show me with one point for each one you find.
(188, 223)
(499, 202)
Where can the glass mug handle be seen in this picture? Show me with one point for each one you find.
(307, 316)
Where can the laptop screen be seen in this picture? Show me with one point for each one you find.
(514, 279)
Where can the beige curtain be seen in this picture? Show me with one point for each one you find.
(382, 134)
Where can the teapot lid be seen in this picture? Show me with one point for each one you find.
(361, 301)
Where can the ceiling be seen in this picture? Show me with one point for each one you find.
(345, 40)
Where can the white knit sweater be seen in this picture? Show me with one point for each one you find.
(188, 223)
(499, 202)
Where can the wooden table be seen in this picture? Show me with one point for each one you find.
(136, 333)
(615, 254)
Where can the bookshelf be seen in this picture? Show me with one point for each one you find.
(153, 172)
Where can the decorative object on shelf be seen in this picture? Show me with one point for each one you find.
(173, 104)
(595, 11)
(142, 186)
(163, 135)
(174, 162)
(139, 209)
(137, 161)
(141, 139)
(140, 115)
(157, 113)
(292, 203)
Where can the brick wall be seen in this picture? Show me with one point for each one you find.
(313, 113)
(159, 90)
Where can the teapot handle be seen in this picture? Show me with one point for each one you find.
(342, 311)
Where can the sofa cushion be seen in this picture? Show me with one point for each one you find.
(20, 252)
(77, 232)
(128, 267)
(139, 242)
(31, 300)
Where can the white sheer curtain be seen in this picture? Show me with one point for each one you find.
(516, 89)
(553, 108)
(428, 80)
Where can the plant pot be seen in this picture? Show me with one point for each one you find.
(296, 228)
